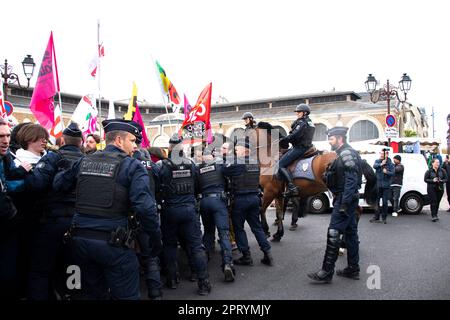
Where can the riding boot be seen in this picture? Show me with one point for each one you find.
(172, 277)
(268, 259)
(292, 189)
(245, 260)
(325, 275)
(349, 272)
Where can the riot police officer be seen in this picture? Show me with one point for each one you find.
(110, 184)
(344, 180)
(246, 202)
(300, 136)
(59, 209)
(178, 179)
(213, 210)
(151, 263)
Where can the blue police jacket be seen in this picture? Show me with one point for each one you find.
(133, 176)
(11, 175)
(352, 173)
(384, 180)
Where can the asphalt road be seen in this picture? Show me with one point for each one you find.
(412, 253)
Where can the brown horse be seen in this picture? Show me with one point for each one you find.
(273, 187)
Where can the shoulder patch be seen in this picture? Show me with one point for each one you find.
(40, 165)
(348, 159)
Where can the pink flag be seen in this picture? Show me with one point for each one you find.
(187, 107)
(42, 100)
(2, 105)
(138, 118)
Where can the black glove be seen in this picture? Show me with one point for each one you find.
(156, 245)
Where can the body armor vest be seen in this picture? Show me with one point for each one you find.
(248, 181)
(98, 192)
(181, 179)
(335, 174)
(210, 176)
(148, 165)
(305, 139)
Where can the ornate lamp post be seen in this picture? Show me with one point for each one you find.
(388, 92)
(11, 77)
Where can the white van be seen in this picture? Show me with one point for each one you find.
(413, 193)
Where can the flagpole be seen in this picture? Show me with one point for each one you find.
(162, 95)
(57, 80)
(98, 80)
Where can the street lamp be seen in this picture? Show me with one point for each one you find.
(387, 92)
(11, 77)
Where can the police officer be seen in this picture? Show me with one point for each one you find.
(245, 191)
(213, 210)
(177, 178)
(151, 263)
(59, 209)
(249, 122)
(110, 184)
(300, 136)
(344, 180)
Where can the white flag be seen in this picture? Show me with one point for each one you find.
(93, 65)
(111, 111)
(58, 126)
(84, 111)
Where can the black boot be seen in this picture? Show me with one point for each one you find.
(351, 273)
(245, 260)
(204, 287)
(268, 259)
(331, 254)
(155, 294)
(228, 271)
(292, 189)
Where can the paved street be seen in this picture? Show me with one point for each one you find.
(412, 252)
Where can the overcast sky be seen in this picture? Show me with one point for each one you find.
(247, 49)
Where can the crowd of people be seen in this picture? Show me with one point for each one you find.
(121, 214)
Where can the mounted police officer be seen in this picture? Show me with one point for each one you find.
(58, 212)
(178, 179)
(214, 212)
(250, 123)
(150, 263)
(344, 180)
(112, 191)
(300, 136)
(245, 191)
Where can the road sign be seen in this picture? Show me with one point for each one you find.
(390, 133)
(390, 120)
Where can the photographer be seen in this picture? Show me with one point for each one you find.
(384, 169)
(435, 179)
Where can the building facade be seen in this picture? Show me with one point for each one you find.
(365, 120)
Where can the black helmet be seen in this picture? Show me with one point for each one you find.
(247, 115)
(175, 139)
(303, 107)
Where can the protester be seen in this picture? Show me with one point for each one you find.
(396, 185)
(90, 146)
(384, 169)
(435, 178)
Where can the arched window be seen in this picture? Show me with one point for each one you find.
(363, 130)
(321, 132)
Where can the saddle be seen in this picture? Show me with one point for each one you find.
(302, 167)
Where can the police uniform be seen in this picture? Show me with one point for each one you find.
(59, 209)
(244, 175)
(151, 263)
(214, 212)
(300, 136)
(177, 179)
(110, 186)
(344, 180)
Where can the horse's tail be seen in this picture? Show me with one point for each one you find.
(370, 190)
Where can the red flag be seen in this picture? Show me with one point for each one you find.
(173, 94)
(138, 118)
(42, 100)
(200, 113)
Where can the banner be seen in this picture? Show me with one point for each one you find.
(42, 104)
(197, 126)
(132, 105)
(168, 89)
(138, 118)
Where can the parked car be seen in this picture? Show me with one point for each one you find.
(413, 193)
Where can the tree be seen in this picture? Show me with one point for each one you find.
(409, 133)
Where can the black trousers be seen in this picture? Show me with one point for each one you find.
(435, 198)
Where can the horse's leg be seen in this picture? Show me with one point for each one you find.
(280, 209)
(267, 199)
